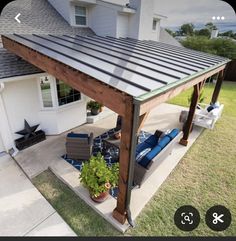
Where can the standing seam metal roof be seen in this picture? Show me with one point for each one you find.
(134, 67)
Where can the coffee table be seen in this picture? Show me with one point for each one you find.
(112, 146)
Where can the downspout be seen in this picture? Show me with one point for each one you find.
(132, 161)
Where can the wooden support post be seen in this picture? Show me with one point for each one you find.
(217, 87)
(142, 120)
(119, 212)
(189, 123)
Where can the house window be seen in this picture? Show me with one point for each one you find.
(45, 87)
(66, 94)
(80, 16)
(154, 24)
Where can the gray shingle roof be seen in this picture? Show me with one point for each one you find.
(37, 16)
(11, 65)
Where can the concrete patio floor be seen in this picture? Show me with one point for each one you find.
(23, 210)
(48, 154)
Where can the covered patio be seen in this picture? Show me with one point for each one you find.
(138, 75)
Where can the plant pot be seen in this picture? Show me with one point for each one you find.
(101, 198)
(94, 111)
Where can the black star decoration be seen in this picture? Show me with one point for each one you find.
(28, 130)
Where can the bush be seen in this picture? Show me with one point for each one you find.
(222, 47)
(97, 176)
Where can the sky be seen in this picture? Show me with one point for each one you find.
(193, 11)
(196, 12)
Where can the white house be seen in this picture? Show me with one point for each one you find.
(27, 92)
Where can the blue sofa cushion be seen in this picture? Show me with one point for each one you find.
(75, 135)
(150, 142)
(146, 159)
(142, 146)
(173, 133)
(164, 141)
(143, 153)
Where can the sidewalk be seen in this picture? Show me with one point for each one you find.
(23, 210)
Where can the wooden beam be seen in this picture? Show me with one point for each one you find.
(76, 79)
(189, 123)
(163, 97)
(142, 120)
(217, 87)
(119, 212)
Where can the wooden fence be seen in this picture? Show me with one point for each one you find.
(230, 73)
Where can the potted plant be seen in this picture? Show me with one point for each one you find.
(94, 107)
(99, 178)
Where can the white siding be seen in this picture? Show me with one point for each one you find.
(1, 145)
(22, 101)
(140, 25)
(123, 25)
(63, 7)
(102, 20)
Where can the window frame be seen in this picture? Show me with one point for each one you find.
(54, 95)
(86, 16)
(68, 104)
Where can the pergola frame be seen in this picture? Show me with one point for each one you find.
(133, 112)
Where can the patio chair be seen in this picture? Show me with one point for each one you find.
(79, 146)
(159, 146)
(205, 116)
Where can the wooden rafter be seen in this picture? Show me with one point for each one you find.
(76, 79)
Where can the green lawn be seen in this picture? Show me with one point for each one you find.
(203, 178)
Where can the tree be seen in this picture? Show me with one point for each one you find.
(173, 34)
(204, 32)
(187, 29)
(222, 47)
(210, 26)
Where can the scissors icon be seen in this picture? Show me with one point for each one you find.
(217, 218)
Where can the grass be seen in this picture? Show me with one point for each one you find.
(203, 178)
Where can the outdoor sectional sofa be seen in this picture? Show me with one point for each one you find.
(161, 147)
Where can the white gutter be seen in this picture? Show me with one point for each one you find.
(21, 77)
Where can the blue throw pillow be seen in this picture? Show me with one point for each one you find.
(146, 159)
(75, 135)
(141, 147)
(143, 153)
(152, 140)
(164, 141)
(173, 133)
(210, 108)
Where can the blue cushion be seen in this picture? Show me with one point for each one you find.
(152, 140)
(146, 159)
(75, 135)
(142, 146)
(210, 108)
(143, 153)
(164, 141)
(173, 133)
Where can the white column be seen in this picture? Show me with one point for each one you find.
(5, 131)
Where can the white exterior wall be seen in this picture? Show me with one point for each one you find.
(2, 148)
(6, 138)
(22, 101)
(140, 23)
(103, 20)
(122, 25)
(63, 7)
